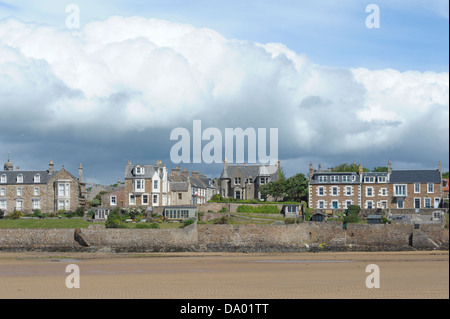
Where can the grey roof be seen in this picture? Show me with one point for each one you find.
(375, 174)
(415, 176)
(28, 176)
(315, 177)
(149, 171)
(252, 171)
(179, 186)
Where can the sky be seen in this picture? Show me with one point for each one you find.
(104, 82)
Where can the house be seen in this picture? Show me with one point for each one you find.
(394, 189)
(318, 217)
(146, 185)
(445, 188)
(190, 189)
(46, 190)
(114, 198)
(291, 210)
(243, 181)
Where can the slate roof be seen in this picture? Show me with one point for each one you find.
(315, 177)
(28, 177)
(415, 176)
(149, 171)
(179, 186)
(251, 171)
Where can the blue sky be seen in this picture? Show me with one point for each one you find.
(372, 88)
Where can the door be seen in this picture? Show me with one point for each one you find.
(437, 201)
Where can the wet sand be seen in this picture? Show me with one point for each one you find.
(405, 275)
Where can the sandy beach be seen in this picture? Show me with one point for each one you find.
(36, 275)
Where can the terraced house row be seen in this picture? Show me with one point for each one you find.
(394, 189)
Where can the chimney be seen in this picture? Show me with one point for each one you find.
(389, 167)
(320, 168)
(195, 174)
(225, 163)
(50, 167)
(311, 169)
(440, 167)
(176, 171)
(185, 173)
(17, 168)
(278, 164)
(118, 181)
(360, 169)
(80, 173)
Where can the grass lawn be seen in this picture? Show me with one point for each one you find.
(161, 225)
(44, 223)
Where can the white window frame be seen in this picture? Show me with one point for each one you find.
(383, 191)
(402, 201)
(400, 186)
(20, 178)
(348, 203)
(153, 199)
(346, 178)
(130, 201)
(428, 188)
(139, 170)
(36, 203)
(416, 188)
(3, 203)
(2, 191)
(321, 203)
(369, 202)
(371, 191)
(37, 178)
(417, 199)
(36, 191)
(145, 202)
(322, 179)
(65, 191)
(348, 191)
(382, 179)
(156, 182)
(334, 178)
(19, 207)
(19, 191)
(337, 204)
(111, 201)
(142, 185)
(381, 204)
(321, 188)
(3, 178)
(425, 202)
(333, 188)
(369, 179)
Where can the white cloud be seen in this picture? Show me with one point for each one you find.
(145, 73)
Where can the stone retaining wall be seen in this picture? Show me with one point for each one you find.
(329, 236)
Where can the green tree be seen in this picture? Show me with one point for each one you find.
(113, 220)
(297, 188)
(445, 175)
(345, 167)
(380, 169)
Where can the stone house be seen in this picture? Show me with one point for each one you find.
(243, 181)
(190, 189)
(146, 185)
(394, 189)
(114, 198)
(46, 190)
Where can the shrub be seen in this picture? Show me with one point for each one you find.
(113, 220)
(2, 214)
(37, 213)
(80, 212)
(352, 214)
(216, 198)
(222, 220)
(223, 210)
(290, 221)
(263, 209)
(188, 222)
(153, 225)
(16, 215)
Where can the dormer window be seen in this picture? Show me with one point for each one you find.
(3, 178)
(37, 178)
(20, 178)
(139, 170)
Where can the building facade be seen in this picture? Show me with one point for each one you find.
(46, 190)
(243, 181)
(394, 189)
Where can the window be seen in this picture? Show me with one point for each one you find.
(237, 180)
(145, 199)
(36, 191)
(322, 179)
(430, 188)
(334, 191)
(369, 179)
(348, 203)
(3, 192)
(155, 184)
(139, 185)
(113, 200)
(19, 205)
(139, 170)
(399, 203)
(36, 204)
(369, 204)
(3, 179)
(334, 204)
(132, 199)
(264, 180)
(346, 178)
(334, 178)
(416, 202)
(20, 178)
(250, 180)
(292, 209)
(369, 191)
(19, 191)
(180, 196)
(382, 179)
(427, 202)
(400, 190)
(155, 199)
(416, 187)
(63, 189)
(237, 194)
(321, 204)
(383, 204)
(37, 178)
(437, 215)
(321, 191)
(383, 192)
(348, 190)
(3, 204)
